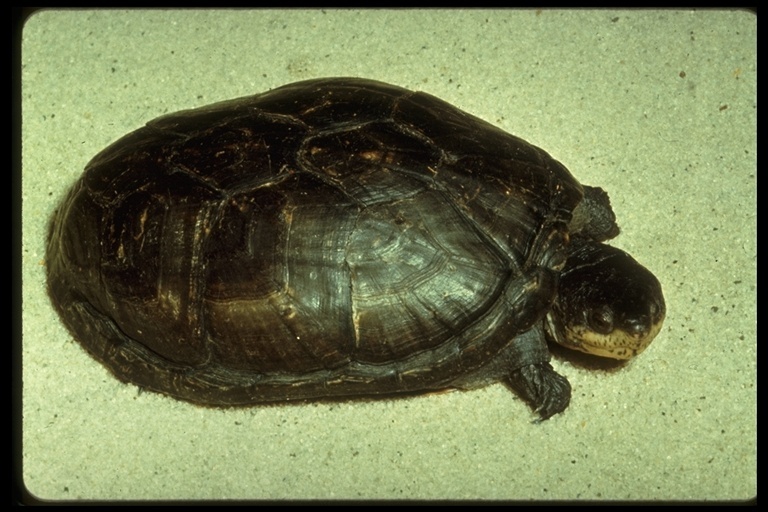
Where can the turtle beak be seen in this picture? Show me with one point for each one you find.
(623, 342)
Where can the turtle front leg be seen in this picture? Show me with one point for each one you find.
(532, 377)
(547, 392)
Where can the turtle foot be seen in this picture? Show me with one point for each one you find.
(547, 392)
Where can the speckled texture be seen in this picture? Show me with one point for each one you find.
(657, 107)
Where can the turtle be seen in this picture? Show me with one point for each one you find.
(336, 238)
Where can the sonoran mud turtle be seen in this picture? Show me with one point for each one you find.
(340, 237)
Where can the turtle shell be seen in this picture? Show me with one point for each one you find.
(330, 237)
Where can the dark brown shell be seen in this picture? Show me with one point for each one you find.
(330, 237)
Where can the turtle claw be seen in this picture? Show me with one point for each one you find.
(547, 392)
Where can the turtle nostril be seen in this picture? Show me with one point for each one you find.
(656, 310)
(638, 326)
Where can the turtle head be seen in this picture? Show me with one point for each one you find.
(607, 303)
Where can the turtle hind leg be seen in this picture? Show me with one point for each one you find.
(547, 392)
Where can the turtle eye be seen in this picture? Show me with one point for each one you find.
(601, 320)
